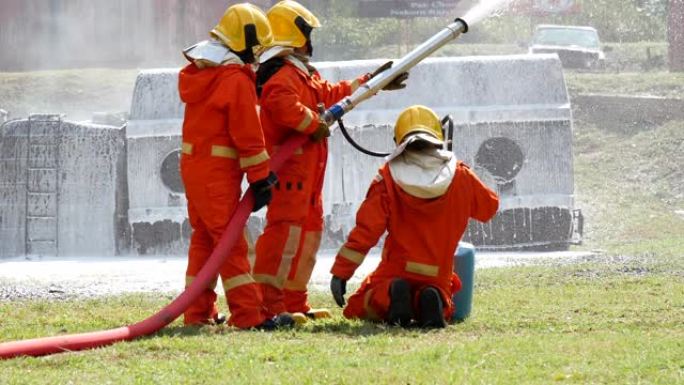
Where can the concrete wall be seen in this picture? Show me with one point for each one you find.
(522, 99)
(63, 185)
(675, 34)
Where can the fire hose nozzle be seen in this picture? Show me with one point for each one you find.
(465, 25)
(367, 90)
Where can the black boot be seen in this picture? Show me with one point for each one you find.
(282, 320)
(400, 310)
(431, 309)
(220, 319)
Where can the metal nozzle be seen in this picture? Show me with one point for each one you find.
(465, 25)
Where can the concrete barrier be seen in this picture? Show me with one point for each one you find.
(62, 188)
(513, 125)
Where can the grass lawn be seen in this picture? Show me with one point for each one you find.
(590, 323)
(629, 83)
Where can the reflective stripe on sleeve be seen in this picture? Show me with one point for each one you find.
(305, 122)
(223, 152)
(352, 255)
(186, 148)
(253, 160)
(422, 269)
(238, 280)
(355, 85)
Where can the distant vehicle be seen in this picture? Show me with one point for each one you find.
(577, 47)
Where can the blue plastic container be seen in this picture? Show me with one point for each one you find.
(464, 266)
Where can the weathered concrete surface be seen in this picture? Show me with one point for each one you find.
(521, 102)
(61, 185)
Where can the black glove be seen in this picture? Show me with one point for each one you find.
(261, 190)
(338, 287)
(381, 69)
(323, 131)
(397, 83)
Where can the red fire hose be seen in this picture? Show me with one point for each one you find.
(50, 345)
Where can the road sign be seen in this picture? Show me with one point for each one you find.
(406, 9)
(547, 7)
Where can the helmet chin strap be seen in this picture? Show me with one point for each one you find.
(247, 56)
(309, 48)
(251, 40)
(448, 132)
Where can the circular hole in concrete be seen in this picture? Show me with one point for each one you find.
(502, 157)
(170, 172)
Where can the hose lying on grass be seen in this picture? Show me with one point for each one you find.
(73, 342)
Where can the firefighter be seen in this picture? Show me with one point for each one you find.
(423, 197)
(222, 141)
(290, 91)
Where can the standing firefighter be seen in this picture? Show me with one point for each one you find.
(290, 92)
(423, 197)
(222, 141)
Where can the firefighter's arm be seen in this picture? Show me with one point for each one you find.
(244, 128)
(371, 223)
(280, 99)
(484, 202)
(331, 93)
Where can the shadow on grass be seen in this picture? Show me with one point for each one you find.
(342, 327)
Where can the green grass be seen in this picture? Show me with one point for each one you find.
(629, 186)
(652, 83)
(530, 326)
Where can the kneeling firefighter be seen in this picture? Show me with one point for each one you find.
(291, 91)
(222, 141)
(423, 197)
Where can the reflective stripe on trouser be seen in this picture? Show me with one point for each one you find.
(302, 266)
(283, 275)
(203, 309)
(280, 250)
(209, 215)
(275, 251)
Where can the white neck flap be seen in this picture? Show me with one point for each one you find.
(211, 53)
(425, 173)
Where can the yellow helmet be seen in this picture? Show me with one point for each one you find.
(243, 26)
(291, 23)
(417, 119)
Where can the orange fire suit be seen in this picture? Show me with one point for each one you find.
(423, 235)
(222, 140)
(286, 251)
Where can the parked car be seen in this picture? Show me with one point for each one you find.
(577, 47)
